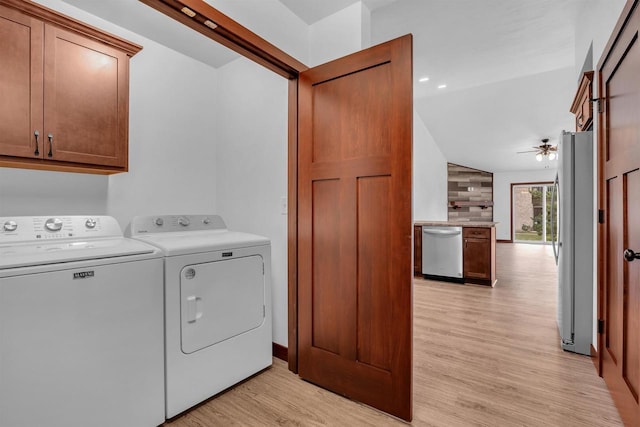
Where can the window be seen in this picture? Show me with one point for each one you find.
(534, 206)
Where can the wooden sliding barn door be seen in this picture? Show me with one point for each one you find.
(620, 183)
(355, 226)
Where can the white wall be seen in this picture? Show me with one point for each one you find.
(272, 21)
(28, 192)
(429, 175)
(172, 138)
(502, 195)
(340, 34)
(595, 23)
(252, 165)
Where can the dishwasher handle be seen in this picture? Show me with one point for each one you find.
(441, 232)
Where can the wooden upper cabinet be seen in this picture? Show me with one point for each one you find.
(582, 106)
(21, 66)
(67, 92)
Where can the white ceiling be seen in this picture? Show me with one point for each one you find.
(508, 65)
(311, 11)
(509, 70)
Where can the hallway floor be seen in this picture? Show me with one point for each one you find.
(482, 357)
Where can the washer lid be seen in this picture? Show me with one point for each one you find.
(191, 242)
(31, 254)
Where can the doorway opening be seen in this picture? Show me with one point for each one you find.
(534, 212)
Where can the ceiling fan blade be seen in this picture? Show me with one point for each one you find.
(530, 151)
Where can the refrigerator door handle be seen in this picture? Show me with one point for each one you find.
(554, 236)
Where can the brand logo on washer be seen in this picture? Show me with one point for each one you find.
(190, 273)
(83, 274)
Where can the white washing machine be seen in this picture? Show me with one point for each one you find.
(217, 304)
(81, 325)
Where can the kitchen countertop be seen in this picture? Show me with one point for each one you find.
(456, 223)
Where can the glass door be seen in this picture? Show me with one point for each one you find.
(534, 207)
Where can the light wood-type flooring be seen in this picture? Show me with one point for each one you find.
(482, 357)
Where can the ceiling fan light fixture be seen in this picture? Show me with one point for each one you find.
(539, 157)
(552, 156)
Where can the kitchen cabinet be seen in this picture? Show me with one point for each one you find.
(582, 106)
(417, 250)
(67, 92)
(479, 248)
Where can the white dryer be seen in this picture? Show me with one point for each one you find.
(217, 304)
(81, 325)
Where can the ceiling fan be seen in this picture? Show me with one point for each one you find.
(543, 150)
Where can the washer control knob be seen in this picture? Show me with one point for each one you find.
(53, 224)
(90, 223)
(159, 222)
(10, 226)
(206, 221)
(184, 221)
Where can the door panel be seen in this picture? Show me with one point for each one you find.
(631, 310)
(326, 259)
(614, 288)
(20, 84)
(620, 147)
(355, 279)
(85, 88)
(374, 319)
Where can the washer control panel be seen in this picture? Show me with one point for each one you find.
(176, 223)
(39, 228)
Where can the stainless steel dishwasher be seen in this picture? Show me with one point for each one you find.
(442, 253)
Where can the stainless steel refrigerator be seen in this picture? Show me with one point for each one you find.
(574, 247)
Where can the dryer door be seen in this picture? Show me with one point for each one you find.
(220, 300)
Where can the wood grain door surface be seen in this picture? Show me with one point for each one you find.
(355, 226)
(620, 133)
(85, 99)
(21, 60)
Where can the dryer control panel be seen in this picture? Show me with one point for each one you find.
(176, 223)
(40, 228)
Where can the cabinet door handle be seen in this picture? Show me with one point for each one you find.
(50, 136)
(36, 134)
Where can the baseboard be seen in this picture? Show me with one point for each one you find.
(280, 351)
(504, 241)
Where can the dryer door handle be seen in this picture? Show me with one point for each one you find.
(194, 308)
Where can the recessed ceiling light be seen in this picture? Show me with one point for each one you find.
(441, 86)
(423, 79)
(190, 13)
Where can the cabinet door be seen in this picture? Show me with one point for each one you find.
(20, 84)
(85, 100)
(477, 258)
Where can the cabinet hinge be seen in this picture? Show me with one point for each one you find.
(600, 216)
(600, 104)
(600, 326)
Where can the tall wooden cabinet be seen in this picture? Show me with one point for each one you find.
(65, 88)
